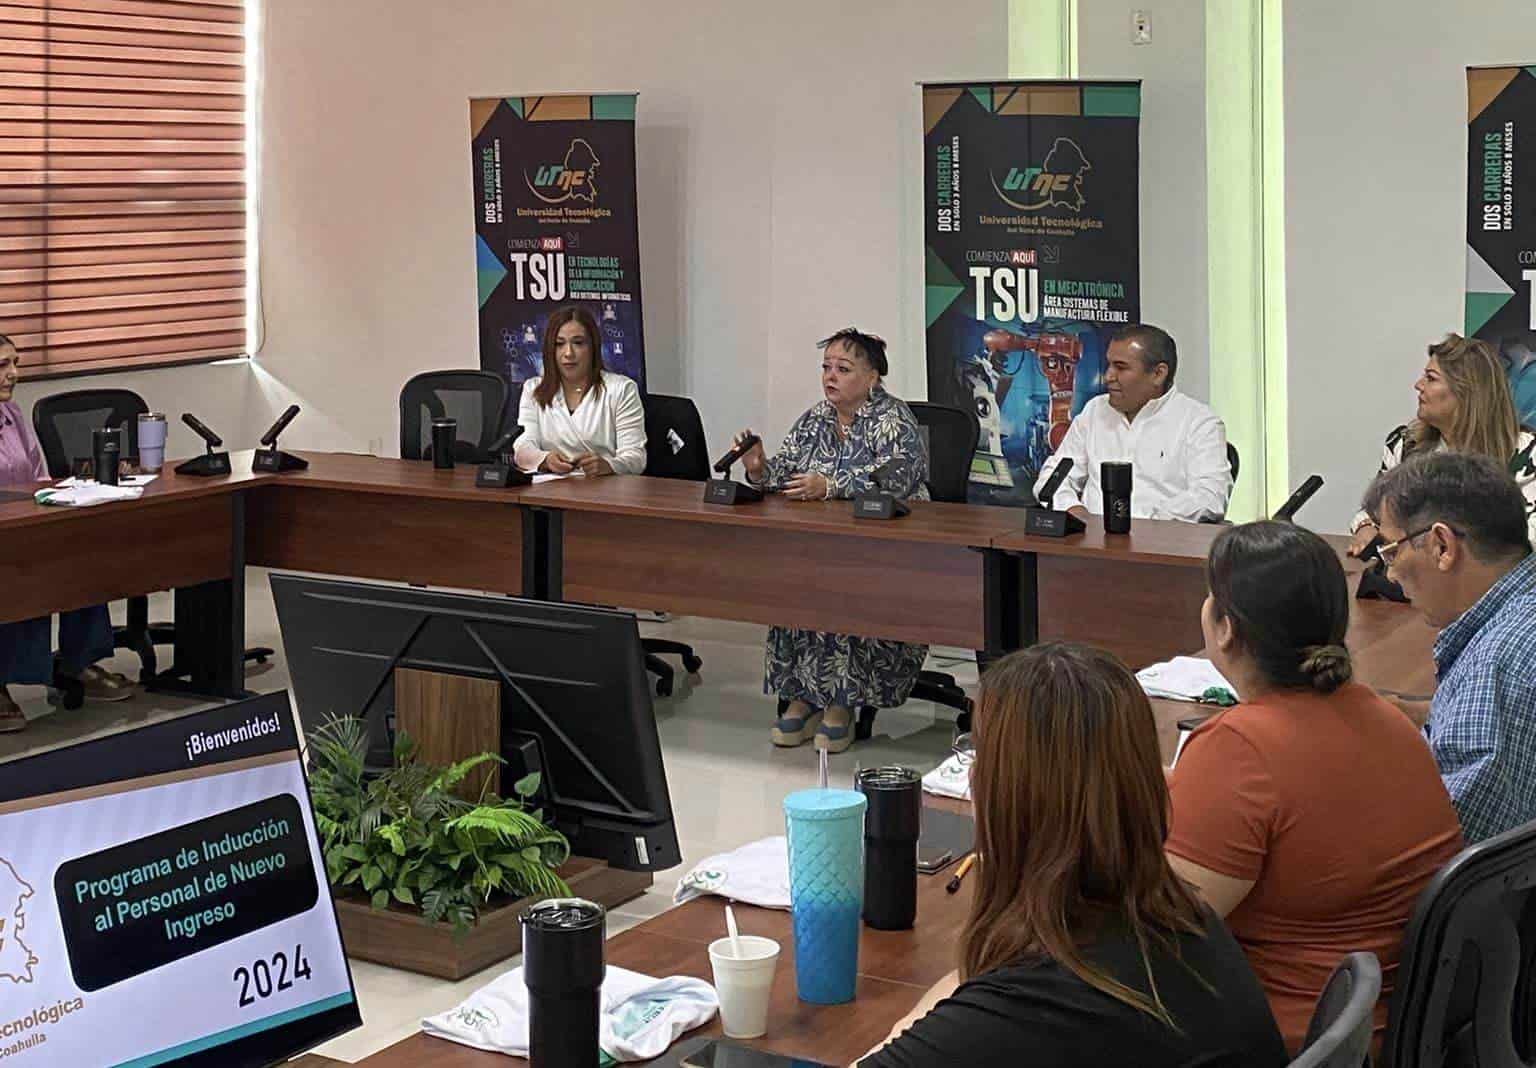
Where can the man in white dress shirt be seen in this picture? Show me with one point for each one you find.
(1176, 446)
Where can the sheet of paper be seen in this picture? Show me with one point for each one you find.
(127, 480)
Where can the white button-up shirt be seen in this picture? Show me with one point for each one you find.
(1177, 449)
(609, 424)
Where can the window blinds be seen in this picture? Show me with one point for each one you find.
(122, 182)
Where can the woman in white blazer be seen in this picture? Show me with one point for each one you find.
(577, 416)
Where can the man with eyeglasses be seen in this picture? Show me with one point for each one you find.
(1454, 533)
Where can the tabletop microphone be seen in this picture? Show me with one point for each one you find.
(214, 462)
(269, 439)
(1058, 476)
(500, 444)
(1302, 495)
(272, 460)
(201, 430)
(724, 464)
(1043, 519)
(725, 490)
(498, 474)
(880, 502)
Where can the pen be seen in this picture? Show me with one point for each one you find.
(959, 877)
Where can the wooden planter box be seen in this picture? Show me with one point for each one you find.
(399, 937)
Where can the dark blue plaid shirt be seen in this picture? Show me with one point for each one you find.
(1482, 723)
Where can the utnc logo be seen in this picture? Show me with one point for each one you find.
(574, 179)
(1058, 183)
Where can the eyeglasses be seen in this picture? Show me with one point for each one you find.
(1388, 551)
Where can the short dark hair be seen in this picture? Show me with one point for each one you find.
(1284, 591)
(1472, 495)
(869, 346)
(1157, 346)
(6, 340)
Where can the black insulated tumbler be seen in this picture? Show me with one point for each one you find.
(1115, 478)
(563, 969)
(892, 825)
(106, 451)
(444, 433)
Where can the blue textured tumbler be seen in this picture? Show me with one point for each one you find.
(826, 890)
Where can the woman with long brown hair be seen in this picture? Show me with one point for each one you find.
(1082, 946)
(576, 416)
(1464, 404)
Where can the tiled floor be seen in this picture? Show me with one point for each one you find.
(726, 779)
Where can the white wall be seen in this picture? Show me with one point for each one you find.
(1173, 181)
(1375, 114)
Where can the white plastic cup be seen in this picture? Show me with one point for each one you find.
(744, 984)
(151, 438)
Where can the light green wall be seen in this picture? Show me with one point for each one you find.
(1042, 38)
(1246, 258)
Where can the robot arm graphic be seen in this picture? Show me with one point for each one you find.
(1058, 355)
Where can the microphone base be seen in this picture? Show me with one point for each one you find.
(878, 505)
(1049, 523)
(500, 476)
(277, 462)
(209, 466)
(726, 491)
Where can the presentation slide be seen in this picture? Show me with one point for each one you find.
(163, 899)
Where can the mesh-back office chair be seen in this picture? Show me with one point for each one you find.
(63, 423)
(1339, 1035)
(477, 399)
(951, 435)
(674, 448)
(1466, 983)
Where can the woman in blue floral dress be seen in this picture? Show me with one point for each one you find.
(858, 438)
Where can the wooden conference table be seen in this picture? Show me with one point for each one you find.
(948, 574)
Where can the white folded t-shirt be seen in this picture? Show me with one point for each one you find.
(755, 874)
(639, 1017)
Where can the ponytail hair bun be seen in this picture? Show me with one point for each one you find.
(1327, 667)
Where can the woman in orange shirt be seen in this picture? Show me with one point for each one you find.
(1310, 815)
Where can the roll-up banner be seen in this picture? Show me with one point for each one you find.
(555, 224)
(1032, 259)
(1501, 222)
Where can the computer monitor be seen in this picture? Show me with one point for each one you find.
(575, 699)
(163, 899)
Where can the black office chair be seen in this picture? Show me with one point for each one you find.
(674, 448)
(951, 435)
(1466, 982)
(1339, 1035)
(1234, 461)
(63, 423)
(477, 399)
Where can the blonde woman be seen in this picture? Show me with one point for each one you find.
(1464, 406)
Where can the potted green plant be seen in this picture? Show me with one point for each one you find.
(417, 870)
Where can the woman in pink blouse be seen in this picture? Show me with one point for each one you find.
(85, 634)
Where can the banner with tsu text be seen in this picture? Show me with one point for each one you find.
(555, 224)
(1032, 240)
(1501, 222)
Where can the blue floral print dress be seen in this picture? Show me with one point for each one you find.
(841, 669)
